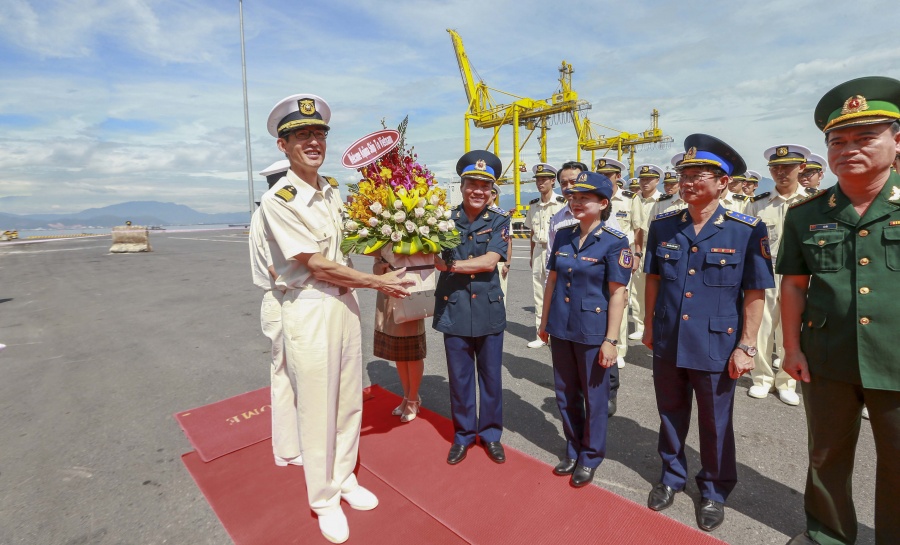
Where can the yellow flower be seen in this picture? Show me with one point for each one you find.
(386, 174)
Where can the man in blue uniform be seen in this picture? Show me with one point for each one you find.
(469, 308)
(707, 269)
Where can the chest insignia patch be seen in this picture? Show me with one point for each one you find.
(722, 250)
(486, 216)
(286, 193)
(505, 234)
(484, 231)
(895, 194)
(823, 227)
(684, 218)
(831, 201)
(894, 223)
(720, 220)
(626, 258)
(591, 259)
(764, 248)
(670, 245)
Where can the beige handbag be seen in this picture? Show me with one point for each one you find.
(420, 302)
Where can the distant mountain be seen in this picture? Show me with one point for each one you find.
(137, 212)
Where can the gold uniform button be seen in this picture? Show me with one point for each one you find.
(864, 233)
(730, 330)
(721, 262)
(568, 284)
(821, 243)
(472, 276)
(863, 290)
(692, 272)
(445, 298)
(470, 256)
(567, 299)
(470, 237)
(809, 323)
(575, 256)
(474, 295)
(694, 249)
(689, 294)
(685, 317)
(864, 320)
(666, 256)
(864, 261)
(597, 309)
(570, 269)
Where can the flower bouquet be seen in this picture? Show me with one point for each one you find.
(397, 209)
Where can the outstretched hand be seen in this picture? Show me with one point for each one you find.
(393, 284)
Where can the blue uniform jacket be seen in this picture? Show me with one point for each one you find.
(578, 310)
(699, 307)
(471, 305)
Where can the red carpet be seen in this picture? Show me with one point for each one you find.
(223, 427)
(425, 501)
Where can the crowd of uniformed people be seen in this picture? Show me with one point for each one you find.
(788, 287)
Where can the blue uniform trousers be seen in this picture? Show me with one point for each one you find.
(715, 406)
(582, 394)
(464, 355)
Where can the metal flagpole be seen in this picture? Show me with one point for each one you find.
(246, 111)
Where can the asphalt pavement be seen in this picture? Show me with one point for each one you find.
(102, 349)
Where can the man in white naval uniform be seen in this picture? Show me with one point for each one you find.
(648, 180)
(303, 224)
(537, 219)
(285, 433)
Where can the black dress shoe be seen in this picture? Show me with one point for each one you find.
(457, 454)
(612, 406)
(582, 476)
(710, 514)
(565, 467)
(495, 451)
(661, 497)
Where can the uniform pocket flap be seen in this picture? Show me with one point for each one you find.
(892, 233)
(495, 295)
(667, 253)
(814, 317)
(593, 305)
(824, 238)
(723, 259)
(450, 297)
(723, 324)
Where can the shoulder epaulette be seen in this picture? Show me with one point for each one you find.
(534, 201)
(812, 190)
(560, 198)
(666, 214)
(286, 193)
(664, 198)
(497, 210)
(331, 181)
(739, 197)
(743, 218)
(628, 194)
(812, 197)
(613, 231)
(761, 196)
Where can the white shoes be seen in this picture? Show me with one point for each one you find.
(360, 499)
(759, 392)
(865, 412)
(284, 462)
(637, 335)
(2, 346)
(334, 526)
(620, 362)
(537, 343)
(788, 397)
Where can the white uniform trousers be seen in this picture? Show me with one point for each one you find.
(539, 280)
(622, 347)
(285, 433)
(769, 336)
(637, 291)
(324, 355)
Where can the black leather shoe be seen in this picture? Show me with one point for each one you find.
(565, 467)
(661, 497)
(612, 405)
(710, 514)
(457, 454)
(582, 476)
(495, 451)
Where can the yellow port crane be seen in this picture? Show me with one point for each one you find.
(485, 113)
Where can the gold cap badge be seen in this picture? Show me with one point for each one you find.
(855, 104)
(690, 154)
(645, 169)
(602, 163)
(480, 164)
(583, 177)
(781, 151)
(307, 106)
(540, 168)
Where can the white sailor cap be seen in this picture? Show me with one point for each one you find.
(606, 165)
(649, 171)
(677, 159)
(542, 170)
(752, 176)
(274, 172)
(786, 154)
(815, 161)
(296, 111)
(634, 182)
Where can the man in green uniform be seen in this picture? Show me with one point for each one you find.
(840, 261)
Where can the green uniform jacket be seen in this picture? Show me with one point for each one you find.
(852, 317)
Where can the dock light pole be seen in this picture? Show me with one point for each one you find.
(246, 111)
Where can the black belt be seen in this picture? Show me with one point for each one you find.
(414, 268)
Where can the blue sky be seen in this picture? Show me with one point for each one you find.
(109, 101)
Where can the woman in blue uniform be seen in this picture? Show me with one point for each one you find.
(584, 302)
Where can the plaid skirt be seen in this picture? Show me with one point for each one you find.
(399, 348)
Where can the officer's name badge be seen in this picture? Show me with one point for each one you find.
(670, 245)
(722, 250)
(591, 259)
(823, 227)
(484, 231)
(621, 214)
(562, 254)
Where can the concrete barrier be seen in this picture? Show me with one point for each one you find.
(130, 239)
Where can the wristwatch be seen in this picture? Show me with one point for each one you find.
(611, 341)
(749, 350)
(639, 254)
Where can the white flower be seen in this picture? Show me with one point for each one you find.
(386, 230)
(396, 236)
(439, 211)
(376, 207)
(443, 227)
(421, 203)
(373, 221)
(364, 232)
(451, 224)
(424, 230)
(398, 204)
(399, 216)
(351, 226)
(435, 199)
(447, 214)
(386, 215)
(410, 226)
(419, 212)
(431, 221)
